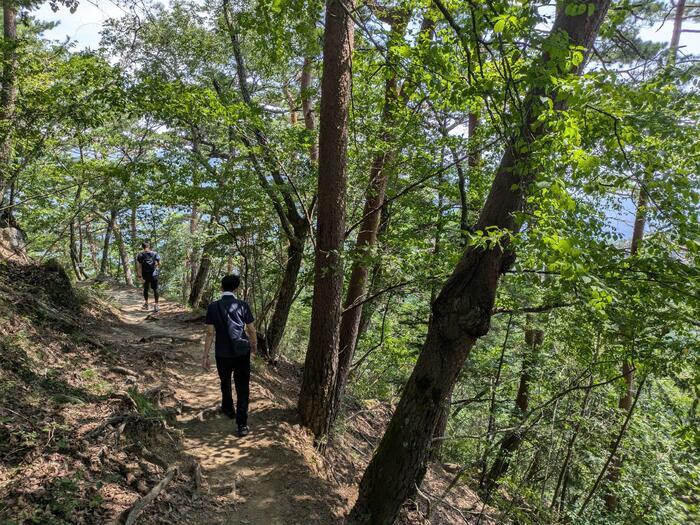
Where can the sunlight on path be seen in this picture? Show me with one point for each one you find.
(259, 479)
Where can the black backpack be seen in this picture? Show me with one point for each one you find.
(148, 262)
(239, 347)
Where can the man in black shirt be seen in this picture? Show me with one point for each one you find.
(230, 324)
(148, 268)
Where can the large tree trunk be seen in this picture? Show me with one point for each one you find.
(123, 253)
(8, 97)
(104, 264)
(316, 396)
(369, 228)
(461, 313)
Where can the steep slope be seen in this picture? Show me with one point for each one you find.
(102, 401)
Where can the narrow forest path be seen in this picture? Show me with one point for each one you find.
(270, 477)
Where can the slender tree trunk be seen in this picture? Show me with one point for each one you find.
(491, 425)
(317, 389)
(104, 264)
(123, 253)
(625, 402)
(513, 439)
(134, 238)
(367, 235)
(75, 259)
(307, 107)
(281, 194)
(92, 247)
(8, 97)
(285, 295)
(461, 313)
(191, 268)
(557, 502)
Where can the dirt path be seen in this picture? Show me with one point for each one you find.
(269, 477)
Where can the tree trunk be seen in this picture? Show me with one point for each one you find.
(200, 279)
(307, 107)
(8, 97)
(625, 401)
(292, 221)
(513, 439)
(369, 228)
(285, 295)
(316, 396)
(74, 257)
(461, 313)
(104, 264)
(123, 254)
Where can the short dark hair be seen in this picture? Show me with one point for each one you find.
(230, 282)
(145, 244)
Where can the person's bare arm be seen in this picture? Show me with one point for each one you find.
(139, 270)
(208, 340)
(252, 337)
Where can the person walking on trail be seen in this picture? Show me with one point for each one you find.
(148, 268)
(230, 326)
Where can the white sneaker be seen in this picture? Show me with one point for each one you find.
(156, 309)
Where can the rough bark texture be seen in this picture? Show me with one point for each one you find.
(367, 235)
(200, 279)
(461, 314)
(307, 106)
(316, 397)
(123, 254)
(8, 97)
(285, 295)
(104, 264)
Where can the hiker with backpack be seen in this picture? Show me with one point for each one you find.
(230, 326)
(148, 268)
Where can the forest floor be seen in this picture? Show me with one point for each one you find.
(101, 401)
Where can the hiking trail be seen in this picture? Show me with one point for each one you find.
(269, 477)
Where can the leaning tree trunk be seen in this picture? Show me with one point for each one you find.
(316, 396)
(371, 215)
(104, 264)
(8, 97)
(200, 279)
(462, 311)
(285, 295)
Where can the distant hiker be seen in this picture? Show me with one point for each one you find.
(148, 268)
(230, 322)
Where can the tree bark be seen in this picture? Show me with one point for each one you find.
(307, 107)
(513, 439)
(285, 295)
(104, 264)
(291, 220)
(369, 229)
(317, 389)
(123, 254)
(461, 313)
(200, 279)
(8, 97)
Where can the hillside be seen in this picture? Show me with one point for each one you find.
(101, 402)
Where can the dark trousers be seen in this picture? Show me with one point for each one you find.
(150, 280)
(240, 368)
